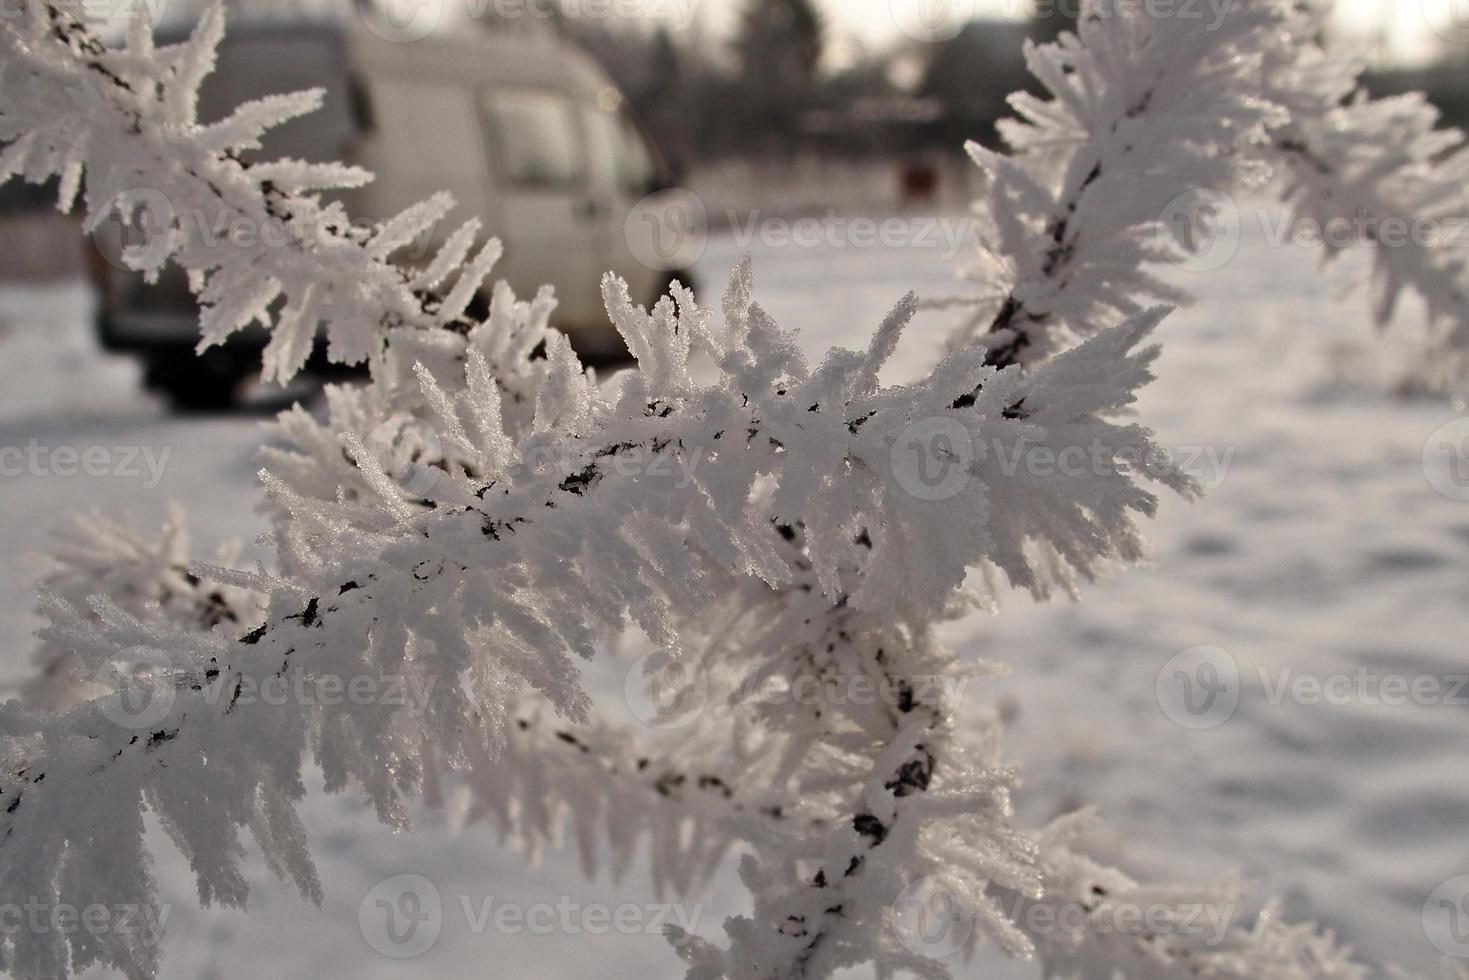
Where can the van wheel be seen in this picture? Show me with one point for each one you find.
(196, 383)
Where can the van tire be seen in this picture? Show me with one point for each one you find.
(196, 383)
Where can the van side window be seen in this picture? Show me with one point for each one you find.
(535, 137)
(619, 152)
(638, 168)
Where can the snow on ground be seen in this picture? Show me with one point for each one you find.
(1321, 548)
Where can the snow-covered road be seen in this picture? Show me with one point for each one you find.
(1321, 552)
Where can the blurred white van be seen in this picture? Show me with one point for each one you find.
(524, 130)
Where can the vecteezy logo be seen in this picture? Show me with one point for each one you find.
(1446, 459)
(402, 21)
(1202, 227)
(136, 230)
(931, 458)
(931, 21)
(143, 685)
(931, 920)
(667, 230)
(402, 916)
(1199, 688)
(112, 12)
(1449, 19)
(1446, 917)
(409, 451)
(665, 692)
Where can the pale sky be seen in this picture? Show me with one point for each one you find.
(1412, 30)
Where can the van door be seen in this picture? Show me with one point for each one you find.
(547, 219)
(421, 136)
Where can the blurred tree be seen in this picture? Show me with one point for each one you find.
(780, 40)
(778, 50)
(665, 102)
(970, 76)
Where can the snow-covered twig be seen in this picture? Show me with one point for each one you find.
(1096, 923)
(1141, 110)
(95, 555)
(1378, 173)
(1150, 119)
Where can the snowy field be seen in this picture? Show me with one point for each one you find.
(1321, 547)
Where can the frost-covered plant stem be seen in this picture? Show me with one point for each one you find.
(1383, 172)
(826, 902)
(1142, 110)
(1152, 121)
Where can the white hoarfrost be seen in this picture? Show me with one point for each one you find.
(484, 513)
(1153, 128)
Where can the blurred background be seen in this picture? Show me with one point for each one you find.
(813, 107)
